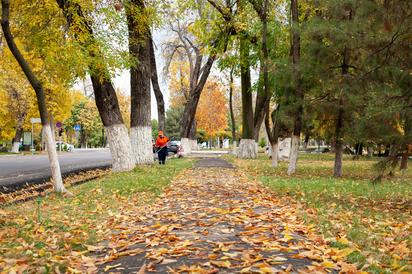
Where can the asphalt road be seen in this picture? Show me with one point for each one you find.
(18, 170)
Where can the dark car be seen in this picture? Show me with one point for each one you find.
(321, 150)
(173, 146)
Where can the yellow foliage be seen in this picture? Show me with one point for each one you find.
(179, 83)
(212, 111)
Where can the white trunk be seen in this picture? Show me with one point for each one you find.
(120, 148)
(187, 148)
(370, 151)
(53, 160)
(15, 147)
(293, 158)
(274, 154)
(247, 149)
(141, 141)
(193, 144)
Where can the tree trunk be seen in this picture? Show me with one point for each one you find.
(140, 75)
(306, 142)
(407, 141)
(339, 141)
(274, 154)
(340, 119)
(404, 160)
(263, 95)
(247, 145)
(40, 95)
(156, 88)
(370, 151)
(232, 115)
(297, 128)
(18, 133)
(104, 93)
(194, 95)
(186, 145)
(247, 149)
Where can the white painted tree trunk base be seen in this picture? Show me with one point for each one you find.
(247, 149)
(15, 147)
(274, 155)
(284, 146)
(293, 158)
(54, 161)
(234, 148)
(120, 148)
(193, 144)
(186, 145)
(141, 142)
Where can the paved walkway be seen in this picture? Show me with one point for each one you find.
(212, 219)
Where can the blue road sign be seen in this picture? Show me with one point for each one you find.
(77, 127)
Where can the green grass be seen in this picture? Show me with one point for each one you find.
(374, 218)
(71, 224)
(7, 153)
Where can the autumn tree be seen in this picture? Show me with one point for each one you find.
(80, 23)
(211, 115)
(140, 75)
(40, 95)
(199, 34)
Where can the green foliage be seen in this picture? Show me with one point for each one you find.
(173, 117)
(262, 142)
(155, 128)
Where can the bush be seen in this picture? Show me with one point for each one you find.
(262, 142)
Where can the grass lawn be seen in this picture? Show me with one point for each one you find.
(374, 219)
(45, 235)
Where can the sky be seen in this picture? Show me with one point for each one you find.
(122, 80)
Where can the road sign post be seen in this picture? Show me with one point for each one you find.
(59, 125)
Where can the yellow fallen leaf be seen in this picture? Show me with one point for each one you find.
(224, 264)
(108, 267)
(328, 264)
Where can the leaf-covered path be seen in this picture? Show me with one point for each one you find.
(213, 218)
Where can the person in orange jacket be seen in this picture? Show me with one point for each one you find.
(161, 145)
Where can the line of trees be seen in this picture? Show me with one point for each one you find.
(342, 68)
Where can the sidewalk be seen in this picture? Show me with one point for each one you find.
(215, 219)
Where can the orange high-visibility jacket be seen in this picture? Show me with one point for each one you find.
(161, 141)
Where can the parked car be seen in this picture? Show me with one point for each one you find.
(321, 150)
(64, 146)
(174, 146)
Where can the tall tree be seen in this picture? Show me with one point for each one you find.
(247, 145)
(156, 88)
(298, 92)
(232, 114)
(41, 101)
(140, 44)
(104, 92)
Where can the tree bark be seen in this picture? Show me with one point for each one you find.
(273, 134)
(407, 143)
(156, 88)
(340, 119)
(18, 133)
(189, 111)
(247, 145)
(306, 142)
(232, 115)
(297, 127)
(140, 76)
(40, 95)
(104, 93)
